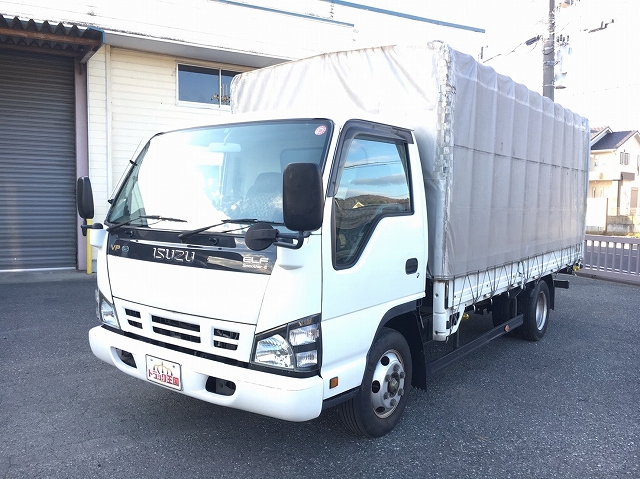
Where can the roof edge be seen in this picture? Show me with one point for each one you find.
(61, 38)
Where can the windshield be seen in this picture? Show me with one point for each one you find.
(188, 179)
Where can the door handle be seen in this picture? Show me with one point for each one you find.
(411, 266)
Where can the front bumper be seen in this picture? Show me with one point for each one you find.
(282, 397)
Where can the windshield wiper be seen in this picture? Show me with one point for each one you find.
(188, 234)
(144, 217)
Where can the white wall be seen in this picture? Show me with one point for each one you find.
(132, 96)
(302, 28)
(596, 220)
(605, 169)
(373, 29)
(201, 23)
(97, 106)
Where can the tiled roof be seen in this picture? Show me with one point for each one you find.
(613, 141)
(596, 130)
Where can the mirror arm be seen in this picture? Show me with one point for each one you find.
(84, 227)
(298, 239)
(261, 235)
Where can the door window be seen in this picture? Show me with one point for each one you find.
(373, 182)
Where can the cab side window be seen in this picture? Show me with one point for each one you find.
(372, 183)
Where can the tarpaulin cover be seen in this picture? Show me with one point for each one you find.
(505, 170)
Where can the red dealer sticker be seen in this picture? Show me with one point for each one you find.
(321, 130)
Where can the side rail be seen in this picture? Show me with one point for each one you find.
(474, 287)
(612, 257)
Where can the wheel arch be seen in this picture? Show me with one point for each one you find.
(406, 320)
(550, 285)
(552, 290)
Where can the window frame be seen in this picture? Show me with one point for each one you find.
(625, 158)
(135, 166)
(370, 130)
(214, 68)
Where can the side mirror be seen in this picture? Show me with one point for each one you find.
(302, 197)
(84, 198)
(302, 205)
(260, 236)
(84, 202)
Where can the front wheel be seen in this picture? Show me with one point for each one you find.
(536, 313)
(382, 397)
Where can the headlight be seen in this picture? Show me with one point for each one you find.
(304, 335)
(274, 351)
(294, 347)
(106, 312)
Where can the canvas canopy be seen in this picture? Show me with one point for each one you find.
(505, 170)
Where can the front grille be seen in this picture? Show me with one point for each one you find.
(176, 329)
(203, 333)
(225, 339)
(133, 314)
(176, 324)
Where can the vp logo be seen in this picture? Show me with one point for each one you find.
(117, 248)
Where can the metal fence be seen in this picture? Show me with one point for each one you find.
(612, 257)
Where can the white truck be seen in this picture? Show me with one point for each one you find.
(318, 246)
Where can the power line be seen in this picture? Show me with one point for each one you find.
(532, 41)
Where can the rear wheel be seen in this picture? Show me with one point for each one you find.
(382, 397)
(536, 313)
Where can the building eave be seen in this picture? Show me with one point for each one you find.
(181, 49)
(47, 36)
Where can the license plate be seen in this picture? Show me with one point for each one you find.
(167, 373)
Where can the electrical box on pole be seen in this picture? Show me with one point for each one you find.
(562, 63)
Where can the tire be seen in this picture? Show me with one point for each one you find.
(536, 313)
(382, 397)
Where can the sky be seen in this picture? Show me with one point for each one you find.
(603, 69)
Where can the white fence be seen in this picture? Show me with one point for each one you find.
(612, 257)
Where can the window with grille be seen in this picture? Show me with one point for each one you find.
(624, 158)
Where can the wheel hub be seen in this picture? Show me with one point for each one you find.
(541, 311)
(387, 384)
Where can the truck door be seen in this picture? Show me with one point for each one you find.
(375, 261)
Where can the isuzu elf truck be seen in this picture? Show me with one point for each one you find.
(327, 243)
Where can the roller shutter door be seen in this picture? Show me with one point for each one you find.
(37, 162)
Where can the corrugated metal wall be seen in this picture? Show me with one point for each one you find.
(37, 162)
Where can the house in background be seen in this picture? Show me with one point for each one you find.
(614, 178)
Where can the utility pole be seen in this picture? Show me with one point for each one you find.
(548, 52)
